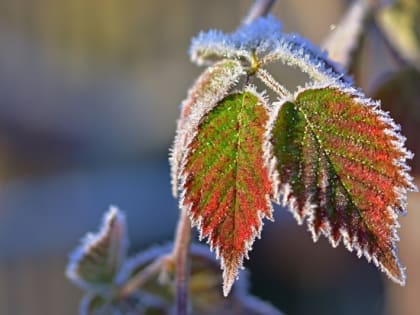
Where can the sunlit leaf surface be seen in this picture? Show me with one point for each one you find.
(340, 163)
(226, 184)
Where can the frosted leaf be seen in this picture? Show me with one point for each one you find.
(226, 188)
(252, 40)
(262, 42)
(211, 86)
(341, 165)
(96, 262)
(296, 51)
(204, 285)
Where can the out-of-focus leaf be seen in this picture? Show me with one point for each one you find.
(212, 85)
(205, 282)
(96, 262)
(135, 304)
(340, 161)
(400, 94)
(401, 24)
(226, 188)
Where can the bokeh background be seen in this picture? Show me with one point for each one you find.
(89, 96)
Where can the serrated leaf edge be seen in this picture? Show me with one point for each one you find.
(255, 39)
(229, 277)
(308, 215)
(186, 126)
(90, 240)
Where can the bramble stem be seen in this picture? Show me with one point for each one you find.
(140, 278)
(258, 9)
(181, 254)
(266, 77)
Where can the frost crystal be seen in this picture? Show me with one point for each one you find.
(258, 38)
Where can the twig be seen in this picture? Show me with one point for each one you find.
(140, 278)
(181, 253)
(266, 77)
(258, 9)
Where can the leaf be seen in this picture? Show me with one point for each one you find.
(204, 285)
(262, 42)
(340, 163)
(212, 85)
(401, 24)
(226, 187)
(96, 262)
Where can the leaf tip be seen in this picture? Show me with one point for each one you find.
(107, 246)
(230, 275)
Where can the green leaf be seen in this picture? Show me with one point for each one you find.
(212, 85)
(226, 188)
(261, 42)
(95, 263)
(340, 164)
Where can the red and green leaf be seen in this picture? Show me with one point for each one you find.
(212, 86)
(340, 163)
(226, 186)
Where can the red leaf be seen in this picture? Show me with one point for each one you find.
(340, 163)
(212, 85)
(226, 184)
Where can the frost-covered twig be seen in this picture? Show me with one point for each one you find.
(258, 9)
(267, 78)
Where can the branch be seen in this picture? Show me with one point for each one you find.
(258, 9)
(266, 77)
(140, 278)
(180, 253)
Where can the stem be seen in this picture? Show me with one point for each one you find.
(180, 253)
(266, 77)
(140, 278)
(258, 9)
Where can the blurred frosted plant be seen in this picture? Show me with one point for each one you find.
(144, 284)
(325, 150)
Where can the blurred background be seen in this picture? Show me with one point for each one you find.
(89, 96)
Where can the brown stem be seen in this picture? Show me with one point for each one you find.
(181, 254)
(258, 9)
(140, 278)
